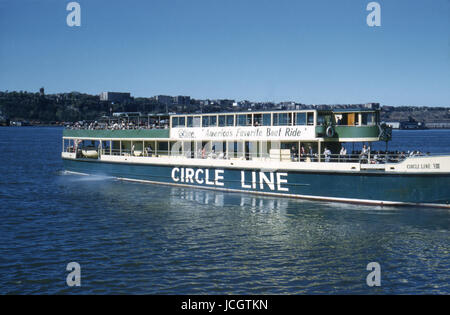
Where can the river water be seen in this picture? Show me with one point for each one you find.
(149, 239)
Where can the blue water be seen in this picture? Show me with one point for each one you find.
(138, 238)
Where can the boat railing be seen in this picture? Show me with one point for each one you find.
(282, 155)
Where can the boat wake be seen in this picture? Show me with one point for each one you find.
(83, 177)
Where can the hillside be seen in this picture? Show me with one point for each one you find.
(39, 108)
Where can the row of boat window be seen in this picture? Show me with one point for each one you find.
(275, 119)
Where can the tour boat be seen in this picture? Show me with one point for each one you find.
(295, 154)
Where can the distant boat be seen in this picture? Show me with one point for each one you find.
(405, 125)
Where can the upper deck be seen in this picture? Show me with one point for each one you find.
(338, 125)
(308, 125)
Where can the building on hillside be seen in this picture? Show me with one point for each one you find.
(117, 97)
(182, 100)
(164, 99)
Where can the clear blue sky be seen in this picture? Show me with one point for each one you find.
(314, 52)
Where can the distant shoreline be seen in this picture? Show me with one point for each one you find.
(40, 109)
(63, 125)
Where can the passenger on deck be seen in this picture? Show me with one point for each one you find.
(310, 154)
(149, 151)
(327, 154)
(363, 156)
(204, 152)
(294, 153)
(302, 153)
(343, 155)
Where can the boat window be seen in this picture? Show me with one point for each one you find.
(182, 122)
(363, 118)
(174, 121)
(368, 119)
(205, 121)
(190, 121)
(320, 120)
(213, 121)
(266, 120)
(241, 120)
(323, 119)
(197, 120)
(310, 118)
(281, 119)
(257, 120)
(301, 119)
(244, 120)
(230, 120)
(222, 120)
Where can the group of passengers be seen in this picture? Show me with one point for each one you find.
(114, 125)
(364, 156)
(308, 154)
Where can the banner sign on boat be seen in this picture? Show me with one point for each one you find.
(244, 133)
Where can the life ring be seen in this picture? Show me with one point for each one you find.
(330, 132)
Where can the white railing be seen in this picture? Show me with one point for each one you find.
(284, 155)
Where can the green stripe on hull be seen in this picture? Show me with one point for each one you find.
(349, 132)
